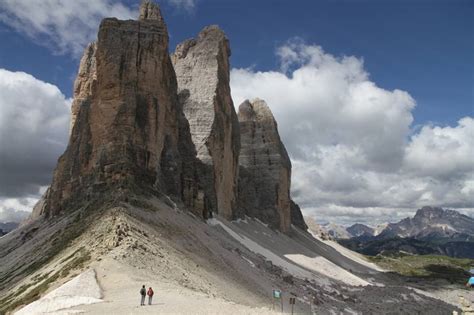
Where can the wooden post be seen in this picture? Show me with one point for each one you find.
(281, 300)
(292, 303)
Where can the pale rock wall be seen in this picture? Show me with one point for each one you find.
(202, 70)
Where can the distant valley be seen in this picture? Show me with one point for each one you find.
(7, 227)
(432, 230)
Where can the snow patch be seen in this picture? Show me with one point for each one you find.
(249, 261)
(348, 253)
(444, 227)
(81, 290)
(327, 268)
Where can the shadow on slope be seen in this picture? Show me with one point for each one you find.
(153, 236)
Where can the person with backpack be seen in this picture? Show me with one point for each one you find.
(470, 282)
(150, 295)
(143, 295)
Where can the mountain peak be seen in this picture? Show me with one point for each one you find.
(359, 229)
(150, 11)
(429, 211)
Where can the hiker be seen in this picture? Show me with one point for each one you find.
(150, 295)
(470, 282)
(143, 294)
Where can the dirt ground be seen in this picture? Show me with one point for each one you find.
(196, 267)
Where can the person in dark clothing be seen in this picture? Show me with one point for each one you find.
(150, 295)
(143, 295)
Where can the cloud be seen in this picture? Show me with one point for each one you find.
(16, 209)
(442, 152)
(351, 142)
(66, 26)
(34, 119)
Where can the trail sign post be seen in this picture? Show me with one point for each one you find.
(277, 295)
(292, 303)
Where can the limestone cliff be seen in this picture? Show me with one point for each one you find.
(139, 127)
(85, 80)
(128, 130)
(202, 70)
(264, 184)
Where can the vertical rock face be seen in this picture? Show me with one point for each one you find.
(132, 132)
(265, 184)
(202, 70)
(85, 80)
(265, 169)
(128, 129)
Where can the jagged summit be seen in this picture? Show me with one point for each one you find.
(431, 220)
(147, 123)
(211, 37)
(150, 11)
(129, 134)
(256, 109)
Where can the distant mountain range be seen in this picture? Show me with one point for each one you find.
(338, 232)
(7, 227)
(431, 231)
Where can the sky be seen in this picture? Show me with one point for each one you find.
(374, 98)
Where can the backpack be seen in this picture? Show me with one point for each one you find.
(150, 292)
(143, 291)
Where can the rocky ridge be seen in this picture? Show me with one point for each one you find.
(144, 122)
(429, 221)
(432, 230)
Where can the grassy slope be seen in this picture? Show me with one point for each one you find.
(429, 267)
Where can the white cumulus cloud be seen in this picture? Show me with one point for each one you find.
(442, 152)
(351, 142)
(34, 119)
(16, 209)
(66, 26)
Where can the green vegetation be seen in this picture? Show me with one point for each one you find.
(11, 302)
(15, 299)
(82, 256)
(428, 267)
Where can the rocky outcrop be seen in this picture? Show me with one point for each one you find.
(264, 184)
(297, 218)
(430, 222)
(139, 127)
(202, 70)
(128, 131)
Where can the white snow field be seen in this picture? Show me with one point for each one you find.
(81, 290)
